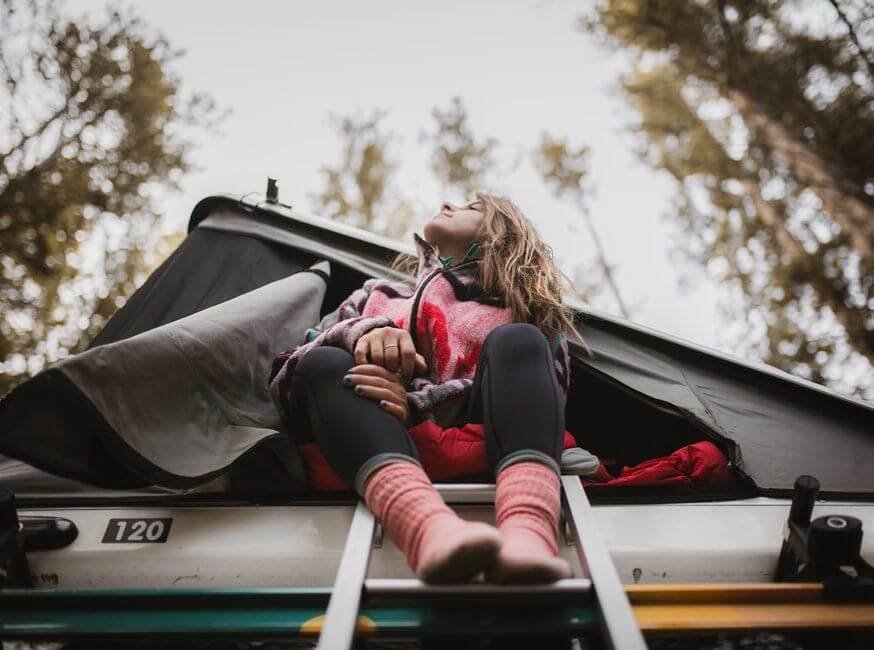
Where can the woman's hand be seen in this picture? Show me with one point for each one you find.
(376, 383)
(390, 348)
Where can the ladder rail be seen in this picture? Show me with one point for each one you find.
(341, 615)
(618, 623)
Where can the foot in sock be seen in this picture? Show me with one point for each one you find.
(453, 550)
(527, 505)
(440, 547)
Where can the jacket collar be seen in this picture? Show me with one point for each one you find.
(429, 261)
(464, 277)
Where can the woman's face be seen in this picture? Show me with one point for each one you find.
(454, 228)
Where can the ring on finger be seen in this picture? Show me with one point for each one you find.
(386, 347)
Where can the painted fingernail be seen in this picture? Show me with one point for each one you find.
(382, 403)
(358, 389)
(347, 380)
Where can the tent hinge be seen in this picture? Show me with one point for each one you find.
(253, 200)
(272, 195)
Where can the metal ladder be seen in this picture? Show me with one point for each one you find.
(602, 588)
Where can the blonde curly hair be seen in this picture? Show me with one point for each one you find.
(518, 266)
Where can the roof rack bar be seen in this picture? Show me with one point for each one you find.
(341, 616)
(618, 625)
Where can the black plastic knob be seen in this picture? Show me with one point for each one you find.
(803, 499)
(835, 540)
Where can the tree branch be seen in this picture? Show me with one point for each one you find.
(602, 258)
(854, 37)
(38, 132)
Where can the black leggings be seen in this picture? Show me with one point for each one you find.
(515, 395)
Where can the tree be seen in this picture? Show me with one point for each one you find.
(359, 189)
(764, 119)
(565, 170)
(458, 158)
(93, 126)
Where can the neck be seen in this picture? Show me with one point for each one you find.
(456, 253)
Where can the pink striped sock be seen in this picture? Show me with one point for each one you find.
(438, 545)
(527, 507)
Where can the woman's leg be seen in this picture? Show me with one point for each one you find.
(371, 450)
(517, 397)
(354, 434)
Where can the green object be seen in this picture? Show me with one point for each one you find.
(311, 334)
(43, 614)
(473, 253)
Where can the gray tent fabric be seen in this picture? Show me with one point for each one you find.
(772, 428)
(29, 482)
(185, 400)
(207, 268)
(190, 396)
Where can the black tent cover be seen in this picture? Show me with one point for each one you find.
(773, 426)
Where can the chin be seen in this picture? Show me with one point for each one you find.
(431, 233)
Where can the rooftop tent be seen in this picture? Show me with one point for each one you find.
(642, 394)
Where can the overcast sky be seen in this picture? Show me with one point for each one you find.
(520, 66)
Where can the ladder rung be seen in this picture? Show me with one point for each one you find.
(458, 493)
(389, 587)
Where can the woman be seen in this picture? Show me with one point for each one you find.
(477, 339)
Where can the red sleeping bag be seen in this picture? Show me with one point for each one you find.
(445, 454)
(461, 451)
(699, 465)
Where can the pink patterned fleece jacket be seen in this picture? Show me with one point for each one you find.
(448, 316)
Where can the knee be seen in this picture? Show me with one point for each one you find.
(323, 364)
(516, 339)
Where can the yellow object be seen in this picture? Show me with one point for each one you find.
(713, 607)
(363, 625)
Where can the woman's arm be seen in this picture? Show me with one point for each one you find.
(374, 382)
(351, 307)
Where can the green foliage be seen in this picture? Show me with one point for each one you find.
(762, 111)
(562, 167)
(359, 189)
(92, 126)
(458, 158)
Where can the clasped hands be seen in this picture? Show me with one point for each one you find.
(386, 358)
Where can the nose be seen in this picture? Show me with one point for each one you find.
(446, 206)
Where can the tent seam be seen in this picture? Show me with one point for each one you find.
(707, 408)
